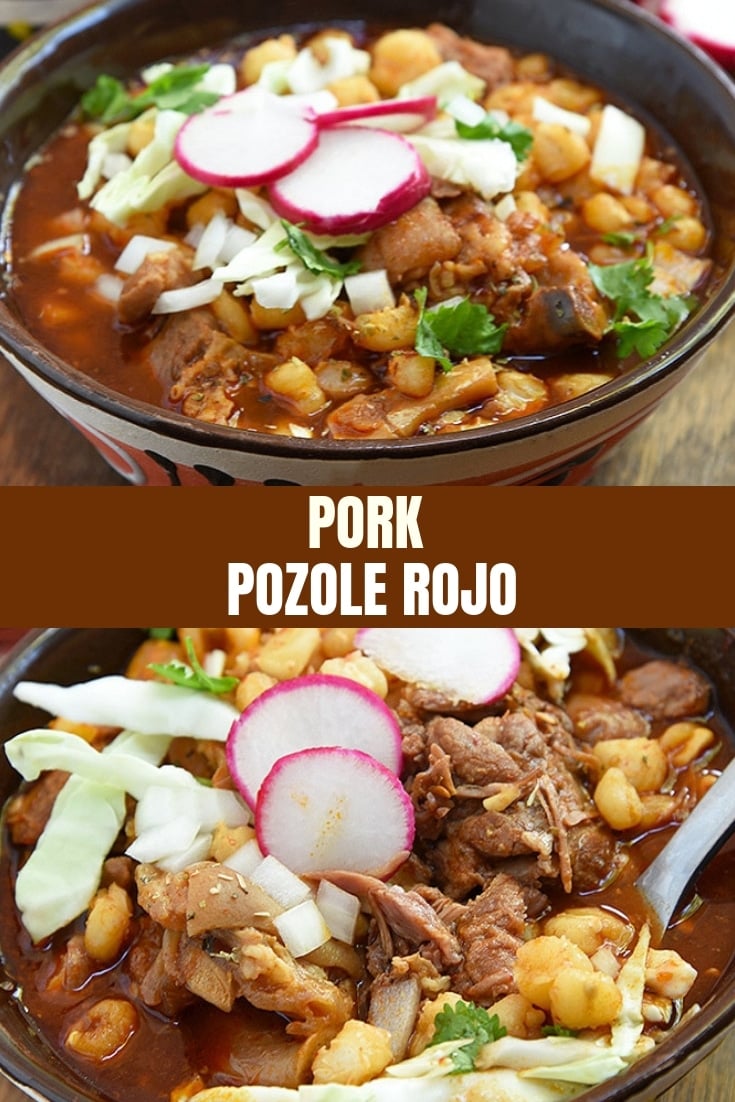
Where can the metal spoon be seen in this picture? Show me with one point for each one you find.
(700, 835)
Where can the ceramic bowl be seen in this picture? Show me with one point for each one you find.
(626, 50)
(67, 655)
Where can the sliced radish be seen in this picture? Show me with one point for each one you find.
(357, 179)
(248, 138)
(332, 808)
(309, 711)
(708, 23)
(472, 665)
(391, 114)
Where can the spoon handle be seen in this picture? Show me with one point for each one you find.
(708, 826)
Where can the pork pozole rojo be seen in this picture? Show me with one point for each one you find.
(312, 857)
(321, 236)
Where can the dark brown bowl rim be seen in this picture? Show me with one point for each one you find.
(694, 1038)
(694, 337)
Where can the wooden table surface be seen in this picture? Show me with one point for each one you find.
(688, 441)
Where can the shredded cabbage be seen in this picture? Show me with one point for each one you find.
(488, 165)
(86, 818)
(446, 82)
(149, 707)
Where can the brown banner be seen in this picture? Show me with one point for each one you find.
(124, 557)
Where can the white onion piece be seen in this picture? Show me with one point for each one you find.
(211, 242)
(137, 249)
(616, 157)
(465, 110)
(108, 287)
(340, 909)
(188, 298)
(245, 859)
(276, 292)
(194, 235)
(197, 851)
(77, 241)
(368, 291)
(236, 238)
(256, 209)
(115, 162)
(279, 882)
(546, 111)
(505, 207)
(161, 841)
(302, 928)
(214, 662)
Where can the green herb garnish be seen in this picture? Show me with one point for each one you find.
(667, 224)
(193, 676)
(518, 137)
(161, 633)
(624, 240)
(558, 1031)
(109, 101)
(463, 329)
(461, 1020)
(643, 321)
(313, 258)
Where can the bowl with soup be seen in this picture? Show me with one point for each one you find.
(165, 937)
(340, 247)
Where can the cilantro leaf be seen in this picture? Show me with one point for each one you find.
(518, 137)
(461, 1020)
(161, 633)
(643, 321)
(313, 258)
(193, 676)
(558, 1031)
(624, 240)
(109, 101)
(464, 329)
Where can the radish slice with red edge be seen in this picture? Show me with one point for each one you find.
(313, 710)
(471, 665)
(402, 115)
(356, 180)
(708, 23)
(332, 808)
(248, 138)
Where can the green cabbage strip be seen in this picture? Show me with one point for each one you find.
(148, 707)
(86, 818)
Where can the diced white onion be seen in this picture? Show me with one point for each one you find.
(465, 110)
(153, 72)
(207, 254)
(340, 910)
(236, 238)
(108, 287)
(368, 291)
(137, 249)
(220, 78)
(277, 292)
(505, 207)
(188, 298)
(618, 150)
(256, 210)
(114, 163)
(214, 663)
(546, 111)
(194, 235)
(301, 431)
(197, 851)
(245, 859)
(279, 882)
(446, 82)
(161, 841)
(302, 928)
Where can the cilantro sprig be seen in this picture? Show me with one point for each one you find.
(643, 321)
(193, 676)
(518, 137)
(460, 1020)
(109, 101)
(462, 329)
(314, 259)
